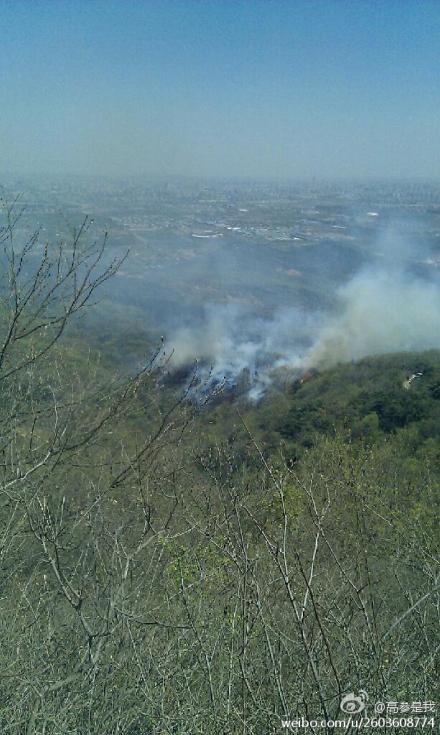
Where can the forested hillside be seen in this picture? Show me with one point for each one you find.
(169, 567)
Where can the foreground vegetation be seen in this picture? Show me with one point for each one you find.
(166, 570)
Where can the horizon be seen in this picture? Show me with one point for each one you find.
(162, 178)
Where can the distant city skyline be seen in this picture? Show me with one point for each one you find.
(223, 88)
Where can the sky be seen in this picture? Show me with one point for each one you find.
(222, 88)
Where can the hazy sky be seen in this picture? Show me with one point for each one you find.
(225, 88)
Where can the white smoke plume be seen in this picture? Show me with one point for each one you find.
(386, 307)
(231, 340)
(381, 311)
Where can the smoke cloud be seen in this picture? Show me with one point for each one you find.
(390, 305)
(232, 340)
(381, 312)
